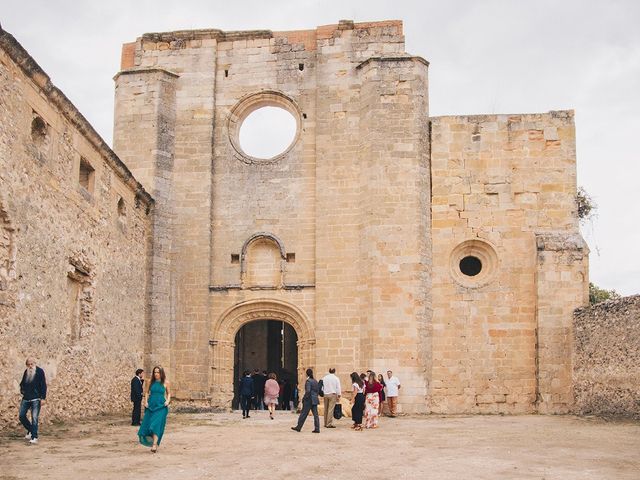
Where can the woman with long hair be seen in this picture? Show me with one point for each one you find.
(372, 401)
(382, 394)
(156, 408)
(357, 400)
(271, 391)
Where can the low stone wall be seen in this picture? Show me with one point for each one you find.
(606, 358)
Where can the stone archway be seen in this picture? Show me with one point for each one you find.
(223, 347)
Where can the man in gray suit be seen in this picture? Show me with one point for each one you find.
(310, 401)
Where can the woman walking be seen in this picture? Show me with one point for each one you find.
(357, 400)
(372, 401)
(271, 390)
(156, 408)
(382, 395)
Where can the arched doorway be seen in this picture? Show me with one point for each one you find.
(224, 335)
(269, 346)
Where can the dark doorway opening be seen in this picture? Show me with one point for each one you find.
(269, 345)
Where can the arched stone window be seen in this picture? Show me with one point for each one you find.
(262, 262)
(7, 250)
(40, 137)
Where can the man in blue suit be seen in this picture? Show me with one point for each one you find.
(247, 391)
(310, 401)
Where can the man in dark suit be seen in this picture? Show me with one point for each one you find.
(136, 396)
(258, 385)
(310, 401)
(33, 388)
(247, 391)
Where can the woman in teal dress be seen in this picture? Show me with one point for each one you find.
(156, 408)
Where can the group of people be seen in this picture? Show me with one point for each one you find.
(255, 391)
(367, 399)
(156, 406)
(156, 397)
(267, 393)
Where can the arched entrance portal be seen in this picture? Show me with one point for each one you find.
(266, 345)
(229, 328)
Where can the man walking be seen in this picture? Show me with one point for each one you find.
(136, 396)
(393, 387)
(258, 384)
(332, 392)
(33, 388)
(310, 402)
(247, 391)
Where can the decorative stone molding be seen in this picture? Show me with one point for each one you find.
(473, 263)
(222, 342)
(247, 105)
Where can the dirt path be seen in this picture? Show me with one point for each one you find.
(223, 446)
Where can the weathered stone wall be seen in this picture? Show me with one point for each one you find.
(72, 257)
(378, 204)
(502, 184)
(349, 199)
(606, 358)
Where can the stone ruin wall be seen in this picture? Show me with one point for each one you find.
(363, 230)
(503, 189)
(606, 358)
(376, 275)
(72, 259)
(356, 222)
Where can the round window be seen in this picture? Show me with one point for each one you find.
(470, 266)
(267, 132)
(474, 263)
(264, 127)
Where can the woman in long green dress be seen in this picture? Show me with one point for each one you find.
(156, 408)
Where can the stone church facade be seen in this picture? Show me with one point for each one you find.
(446, 249)
(357, 233)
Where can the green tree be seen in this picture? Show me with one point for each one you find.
(597, 294)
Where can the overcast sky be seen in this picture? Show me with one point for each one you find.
(486, 57)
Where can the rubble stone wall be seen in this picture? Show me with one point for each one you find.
(73, 230)
(606, 358)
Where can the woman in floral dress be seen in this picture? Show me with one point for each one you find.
(372, 401)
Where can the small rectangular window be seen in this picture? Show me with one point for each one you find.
(291, 257)
(235, 258)
(86, 175)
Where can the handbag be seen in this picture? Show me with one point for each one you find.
(337, 411)
(321, 388)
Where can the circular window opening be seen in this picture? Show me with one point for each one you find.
(267, 132)
(470, 266)
(474, 263)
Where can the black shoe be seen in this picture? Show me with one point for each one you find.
(315, 431)
(244, 416)
(295, 428)
(330, 426)
(248, 416)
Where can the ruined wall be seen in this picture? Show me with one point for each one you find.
(606, 358)
(73, 230)
(504, 194)
(344, 210)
